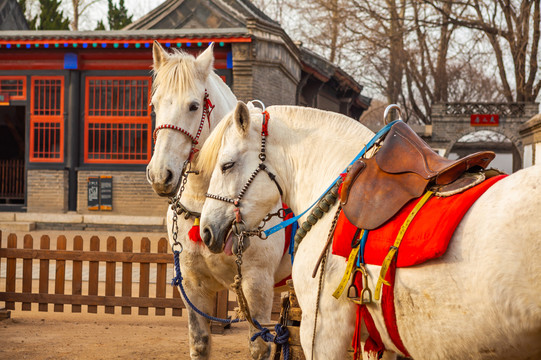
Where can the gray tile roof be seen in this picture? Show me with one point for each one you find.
(123, 34)
(176, 14)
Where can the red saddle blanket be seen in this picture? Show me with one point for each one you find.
(426, 238)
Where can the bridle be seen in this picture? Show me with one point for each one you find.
(176, 206)
(237, 228)
(207, 110)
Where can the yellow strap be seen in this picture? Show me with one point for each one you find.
(394, 249)
(349, 268)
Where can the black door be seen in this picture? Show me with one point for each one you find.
(12, 145)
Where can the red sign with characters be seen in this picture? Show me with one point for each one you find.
(485, 120)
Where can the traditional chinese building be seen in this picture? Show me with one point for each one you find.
(75, 105)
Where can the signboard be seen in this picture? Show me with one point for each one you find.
(106, 193)
(93, 193)
(100, 193)
(484, 120)
(4, 99)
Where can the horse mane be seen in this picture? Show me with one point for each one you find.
(295, 117)
(176, 75)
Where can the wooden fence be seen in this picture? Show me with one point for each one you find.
(12, 179)
(125, 297)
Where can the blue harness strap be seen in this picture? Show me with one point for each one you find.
(371, 143)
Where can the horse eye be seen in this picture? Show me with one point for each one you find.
(227, 166)
(194, 107)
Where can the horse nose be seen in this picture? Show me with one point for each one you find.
(150, 179)
(207, 235)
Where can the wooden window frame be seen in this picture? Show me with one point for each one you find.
(11, 96)
(46, 120)
(118, 123)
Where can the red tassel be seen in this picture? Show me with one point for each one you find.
(193, 234)
(342, 177)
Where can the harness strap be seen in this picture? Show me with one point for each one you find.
(272, 177)
(389, 311)
(349, 269)
(394, 248)
(373, 344)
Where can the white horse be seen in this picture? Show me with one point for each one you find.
(178, 98)
(480, 300)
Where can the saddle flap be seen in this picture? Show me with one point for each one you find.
(374, 196)
(353, 171)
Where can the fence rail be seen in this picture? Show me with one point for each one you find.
(12, 179)
(125, 297)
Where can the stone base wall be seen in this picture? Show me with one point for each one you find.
(47, 191)
(132, 194)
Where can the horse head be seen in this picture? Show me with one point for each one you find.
(182, 112)
(239, 198)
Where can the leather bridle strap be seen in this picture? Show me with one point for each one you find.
(207, 110)
(261, 166)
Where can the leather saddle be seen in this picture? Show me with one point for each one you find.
(375, 189)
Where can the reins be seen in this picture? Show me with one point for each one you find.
(371, 143)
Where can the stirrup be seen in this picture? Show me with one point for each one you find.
(353, 293)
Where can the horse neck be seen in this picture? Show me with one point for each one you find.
(222, 98)
(308, 157)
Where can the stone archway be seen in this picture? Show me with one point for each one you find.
(508, 157)
(452, 129)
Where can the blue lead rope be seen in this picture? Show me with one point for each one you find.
(282, 333)
(371, 143)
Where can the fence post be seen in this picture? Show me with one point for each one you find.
(176, 295)
(110, 274)
(60, 278)
(27, 272)
(11, 266)
(144, 275)
(127, 247)
(93, 273)
(77, 279)
(45, 244)
(161, 273)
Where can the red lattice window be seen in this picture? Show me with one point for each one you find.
(15, 86)
(46, 119)
(117, 120)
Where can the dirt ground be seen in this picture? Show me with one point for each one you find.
(64, 335)
(49, 335)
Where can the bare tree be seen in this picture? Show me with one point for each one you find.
(79, 8)
(409, 51)
(513, 31)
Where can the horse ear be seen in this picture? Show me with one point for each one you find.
(158, 54)
(205, 61)
(242, 118)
